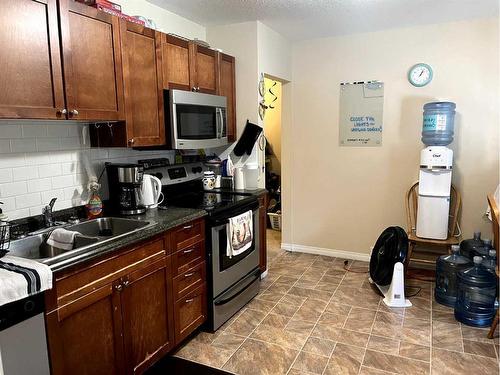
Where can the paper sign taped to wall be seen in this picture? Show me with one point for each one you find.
(361, 113)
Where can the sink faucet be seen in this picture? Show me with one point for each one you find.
(47, 213)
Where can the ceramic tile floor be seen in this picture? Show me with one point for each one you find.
(313, 317)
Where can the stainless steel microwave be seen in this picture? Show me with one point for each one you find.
(195, 120)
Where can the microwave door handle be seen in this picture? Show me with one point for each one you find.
(221, 122)
(218, 122)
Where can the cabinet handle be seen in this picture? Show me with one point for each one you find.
(187, 227)
(126, 283)
(198, 88)
(189, 274)
(188, 251)
(189, 300)
(62, 111)
(119, 287)
(193, 88)
(131, 141)
(74, 112)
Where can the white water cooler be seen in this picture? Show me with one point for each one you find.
(434, 192)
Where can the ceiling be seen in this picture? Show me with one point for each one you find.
(307, 19)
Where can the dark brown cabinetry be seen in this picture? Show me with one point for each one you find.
(142, 64)
(262, 230)
(31, 81)
(203, 69)
(227, 88)
(92, 62)
(31, 84)
(176, 63)
(120, 314)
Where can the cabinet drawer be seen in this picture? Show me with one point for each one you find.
(69, 287)
(189, 280)
(187, 258)
(187, 234)
(190, 312)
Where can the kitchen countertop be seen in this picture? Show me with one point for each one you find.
(165, 220)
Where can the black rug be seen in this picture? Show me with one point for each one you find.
(173, 365)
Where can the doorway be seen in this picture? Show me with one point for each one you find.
(273, 101)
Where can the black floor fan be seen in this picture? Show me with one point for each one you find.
(387, 266)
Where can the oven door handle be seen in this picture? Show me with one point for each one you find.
(229, 299)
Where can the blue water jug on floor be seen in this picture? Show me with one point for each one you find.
(476, 292)
(447, 267)
(468, 247)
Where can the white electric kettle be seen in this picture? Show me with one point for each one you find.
(151, 195)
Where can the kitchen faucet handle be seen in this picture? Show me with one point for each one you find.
(52, 202)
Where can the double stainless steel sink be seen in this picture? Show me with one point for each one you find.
(92, 234)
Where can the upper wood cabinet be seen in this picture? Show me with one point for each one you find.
(92, 62)
(203, 69)
(176, 63)
(32, 33)
(188, 66)
(142, 77)
(31, 84)
(227, 88)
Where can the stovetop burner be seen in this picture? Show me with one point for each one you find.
(192, 196)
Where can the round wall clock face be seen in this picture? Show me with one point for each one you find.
(420, 74)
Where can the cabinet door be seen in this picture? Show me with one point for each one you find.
(262, 230)
(190, 312)
(227, 88)
(31, 83)
(92, 62)
(204, 69)
(85, 336)
(176, 63)
(141, 51)
(147, 315)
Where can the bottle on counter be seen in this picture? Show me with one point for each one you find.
(94, 207)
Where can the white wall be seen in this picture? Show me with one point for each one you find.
(343, 198)
(257, 49)
(166, 21)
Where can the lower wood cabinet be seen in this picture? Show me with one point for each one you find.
(119, 315)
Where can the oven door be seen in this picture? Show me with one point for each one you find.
(198, 120)
(227, 271)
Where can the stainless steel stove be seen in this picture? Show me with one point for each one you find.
(232, 281)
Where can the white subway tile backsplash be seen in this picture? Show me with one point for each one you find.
(41, 160)
(37, 158)
(55, 193)
(34, 130)
(5, 175)
(40, 184)
(48, 144)
(12, 160)
(4, 146)
(13, 189)
(28, 200)
(11, 131)
(23, 145)
(49, 170)
(24, 173)
(58, 130)
(9, 204)
(62, 181)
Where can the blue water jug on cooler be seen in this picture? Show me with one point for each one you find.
(476, 293)
(447, 267)
(439, 123)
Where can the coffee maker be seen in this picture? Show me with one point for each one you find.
(124, 183)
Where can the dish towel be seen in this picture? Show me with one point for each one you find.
(62, 239)
(20, 278)
(239, 234)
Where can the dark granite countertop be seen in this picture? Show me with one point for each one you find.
(164, 219)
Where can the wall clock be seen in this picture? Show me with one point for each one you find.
(420, 74)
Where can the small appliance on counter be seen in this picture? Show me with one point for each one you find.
(124, 183)
(151, 195)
